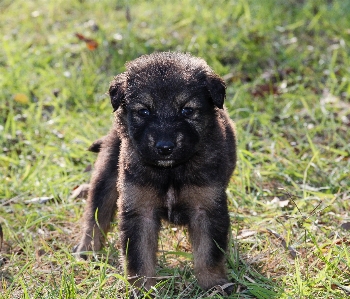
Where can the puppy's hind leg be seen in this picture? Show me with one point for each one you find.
(102, 200)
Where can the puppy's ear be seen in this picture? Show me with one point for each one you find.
(217, 89)
(117, 90)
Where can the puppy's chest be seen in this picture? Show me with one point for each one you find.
(170, 198)
(177, 211)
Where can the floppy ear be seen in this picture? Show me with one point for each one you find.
(117, 90)
(217, 89)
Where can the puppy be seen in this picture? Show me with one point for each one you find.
(169, 155)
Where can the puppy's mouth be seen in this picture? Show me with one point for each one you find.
(165, 163)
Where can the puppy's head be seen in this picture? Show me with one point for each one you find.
(167, 103)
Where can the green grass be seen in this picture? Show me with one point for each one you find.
(287, 68)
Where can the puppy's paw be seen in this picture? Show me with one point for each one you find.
(209, 280)
(79, 251)
(86, 246)
(224, 287)
(142, 282)
(227, 288)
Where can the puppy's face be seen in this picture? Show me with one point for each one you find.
(167, 106)
(167, 126)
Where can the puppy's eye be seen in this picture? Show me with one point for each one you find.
(143, 112)
(187, 111)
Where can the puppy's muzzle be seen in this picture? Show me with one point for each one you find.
(165, 147)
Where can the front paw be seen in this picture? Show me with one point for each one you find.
(217, 279)
(80, 251)
(87, 245)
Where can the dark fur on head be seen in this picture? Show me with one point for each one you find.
(163, 66)
(169, 156)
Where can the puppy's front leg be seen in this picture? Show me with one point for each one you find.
(208, 229)
(102, 200)
(139, 225)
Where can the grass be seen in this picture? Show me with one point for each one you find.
(286, 64)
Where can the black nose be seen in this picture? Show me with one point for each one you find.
(165, 147)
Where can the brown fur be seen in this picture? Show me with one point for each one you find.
(169, 155)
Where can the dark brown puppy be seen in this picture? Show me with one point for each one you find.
(169, 155)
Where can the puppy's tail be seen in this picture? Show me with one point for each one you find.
(95, 147)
